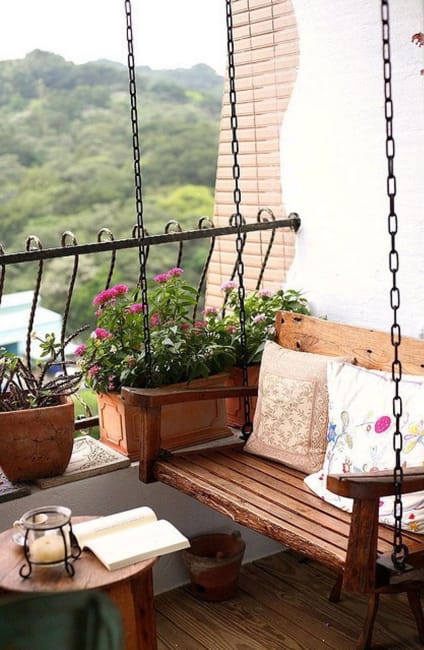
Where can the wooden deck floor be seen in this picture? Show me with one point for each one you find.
(281, 605)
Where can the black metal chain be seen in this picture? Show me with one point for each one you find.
(237, 216)
(400, 551)
(138, 193)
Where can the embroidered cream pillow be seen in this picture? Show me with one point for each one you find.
(290, 422)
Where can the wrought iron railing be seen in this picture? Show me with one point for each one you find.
(38, 256)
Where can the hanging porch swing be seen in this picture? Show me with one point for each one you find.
(271, 497)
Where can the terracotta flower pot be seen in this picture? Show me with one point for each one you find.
(235, 405)
(36, 443)
(120, 424)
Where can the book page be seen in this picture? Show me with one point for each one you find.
(121, 547)
(89, 530)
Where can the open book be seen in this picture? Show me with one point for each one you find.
(128, 537)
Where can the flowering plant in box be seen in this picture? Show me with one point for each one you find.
(260, 308)
(181, 349)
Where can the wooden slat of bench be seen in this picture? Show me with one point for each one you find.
(276, 475)
(272, 483)
(269, 498)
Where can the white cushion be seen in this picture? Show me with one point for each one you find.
(360, 434)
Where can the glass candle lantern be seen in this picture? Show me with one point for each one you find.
(48, 539)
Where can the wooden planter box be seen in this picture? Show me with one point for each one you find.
(181, 425)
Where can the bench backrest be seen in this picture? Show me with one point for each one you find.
(369, 348)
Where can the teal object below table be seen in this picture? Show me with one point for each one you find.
(80, 620)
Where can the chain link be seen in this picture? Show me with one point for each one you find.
(142, 257)
(400, 551)
(237, 216)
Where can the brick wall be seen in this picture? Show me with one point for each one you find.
(266, 52)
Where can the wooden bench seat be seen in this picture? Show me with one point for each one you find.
(273, 499)
(269, 498)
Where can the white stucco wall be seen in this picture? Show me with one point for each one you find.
(334, 167)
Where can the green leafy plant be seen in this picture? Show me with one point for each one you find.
(24, 387)
(260, 308)
(180, 349)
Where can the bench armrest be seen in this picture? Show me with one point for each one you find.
(152, 397)
(150, 401)
(366, 489)
(373, 485)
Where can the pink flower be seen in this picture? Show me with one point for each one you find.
(210, 311)
(101, 333)
(265, 293)
(112, 382)
(228, 286)
(110, 294)
(136, 308)
(103, 296)
(93, 371)
(161, 278)
(175, 272)
(232, 329)
(259, 318)
(155, 320)
(119, 289)
(200, 324)
(185, 326)
(80, 350)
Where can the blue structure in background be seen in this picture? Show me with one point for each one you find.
(14, 316)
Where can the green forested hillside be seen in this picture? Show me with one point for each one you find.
(65, 150)
(65, 144)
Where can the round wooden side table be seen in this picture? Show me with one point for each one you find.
(130, 588)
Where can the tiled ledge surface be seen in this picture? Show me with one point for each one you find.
(89, 458)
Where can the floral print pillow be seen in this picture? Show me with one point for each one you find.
(360, 434)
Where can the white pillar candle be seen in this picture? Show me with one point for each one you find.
(49, 548)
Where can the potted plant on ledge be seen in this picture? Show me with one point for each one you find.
(36, 414)
(183, 351)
